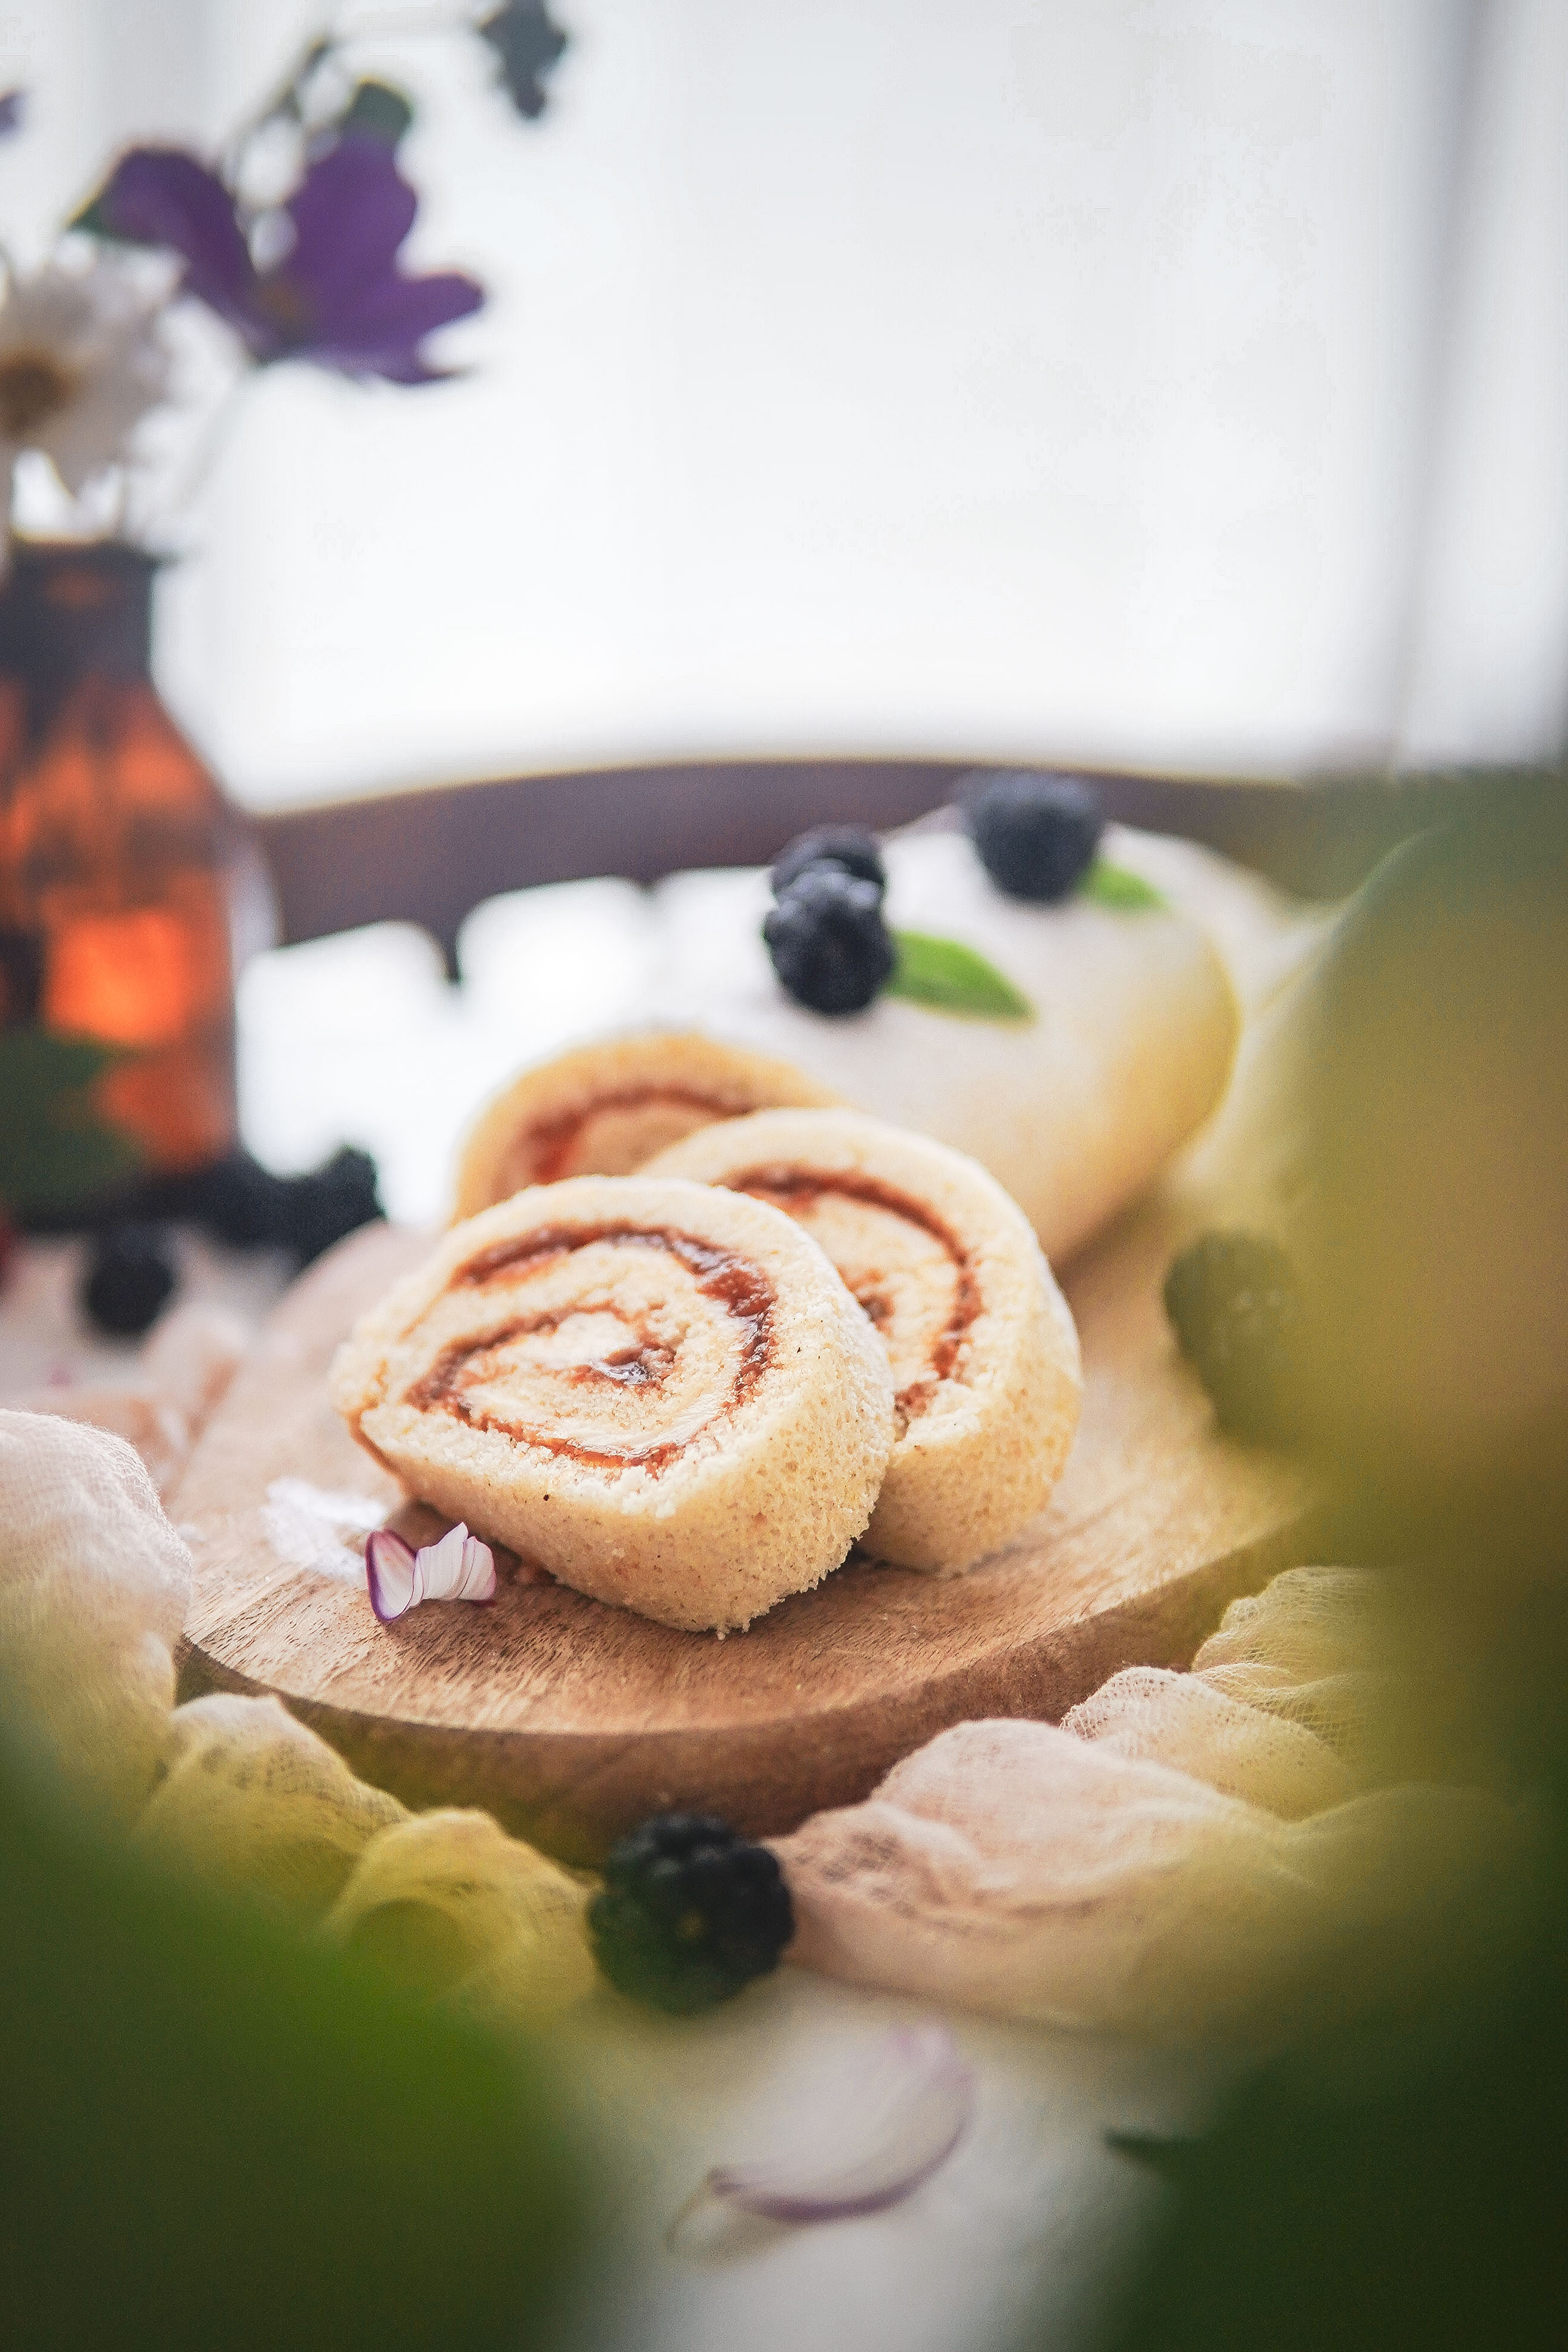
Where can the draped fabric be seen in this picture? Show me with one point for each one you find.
(1218, 1855)
(94, 1583)
(1268, 1841)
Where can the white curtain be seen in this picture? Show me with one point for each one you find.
(1182, 384)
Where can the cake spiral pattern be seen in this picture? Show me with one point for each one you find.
(660, 1391)
(981, 1347)
(604, 1109)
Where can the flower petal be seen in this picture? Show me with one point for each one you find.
(98, 329)
(162, 196)
(891, 2121)
(389, 1567)
(351, 213)
(378, 332)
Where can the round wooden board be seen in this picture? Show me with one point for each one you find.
(571, 1720)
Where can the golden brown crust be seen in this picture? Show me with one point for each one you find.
(661, 1392)
(604, 1109)
(982, 1346)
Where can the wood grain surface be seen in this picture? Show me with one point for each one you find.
(571, 1720)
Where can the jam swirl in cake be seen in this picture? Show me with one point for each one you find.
(908, 1268)
(617, 1345)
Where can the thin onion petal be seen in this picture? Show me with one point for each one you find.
(896, 2118)
(389, 1569)
(478, 1580)
(459, 1567)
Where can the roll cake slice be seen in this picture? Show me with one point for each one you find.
(660, 1391)
(602, 1109)
(981, 1348)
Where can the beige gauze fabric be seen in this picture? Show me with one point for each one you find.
(252, 1802)
(93, 1588)
(94, 1583)
(1187, 1857)
(516, 1946)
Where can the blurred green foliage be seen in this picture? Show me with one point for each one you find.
(54, 1149)
(1433, 1231)
(1404, 2192)
(215, 2135)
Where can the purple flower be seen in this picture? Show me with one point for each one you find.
(336, 297)
(13, 106)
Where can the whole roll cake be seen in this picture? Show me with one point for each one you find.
(660, 1391)
(1132, 1023)
(1075, 1111)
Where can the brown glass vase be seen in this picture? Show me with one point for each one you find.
(121, 868)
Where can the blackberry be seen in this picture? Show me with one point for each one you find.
(850, 846)
(1237, 1311)
(128, 1279)
(244, 1204)
(332, 1201)
(689, 1912)
(827, 939)
(237, 1200)
(1036, 833)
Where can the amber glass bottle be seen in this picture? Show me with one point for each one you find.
(120, 859)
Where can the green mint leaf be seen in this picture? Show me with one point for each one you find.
(948, 977)
(54, 1149)
(1113, 885)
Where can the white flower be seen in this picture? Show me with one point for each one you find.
(81, 363)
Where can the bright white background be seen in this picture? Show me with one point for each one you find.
(1174, 381)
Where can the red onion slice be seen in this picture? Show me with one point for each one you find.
(459, 1567)
(893, 2118)
(389, 1572)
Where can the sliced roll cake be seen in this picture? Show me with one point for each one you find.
(981, 1348)
(604, 1109)
(660, 1391)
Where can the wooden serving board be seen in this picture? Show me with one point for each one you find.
(571, 1720)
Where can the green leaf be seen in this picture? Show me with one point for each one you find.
(949, 977)
(376, 111)
(1171, 2159)
(54, 1149)
(93, 221)
(1113, 885)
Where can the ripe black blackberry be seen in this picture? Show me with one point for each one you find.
(689, 1912)
(1235, 1308)
(1036, 833)
(128, 1279)
(330, 1201)
(829, 944)
(850, 846)
(244, 1204)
